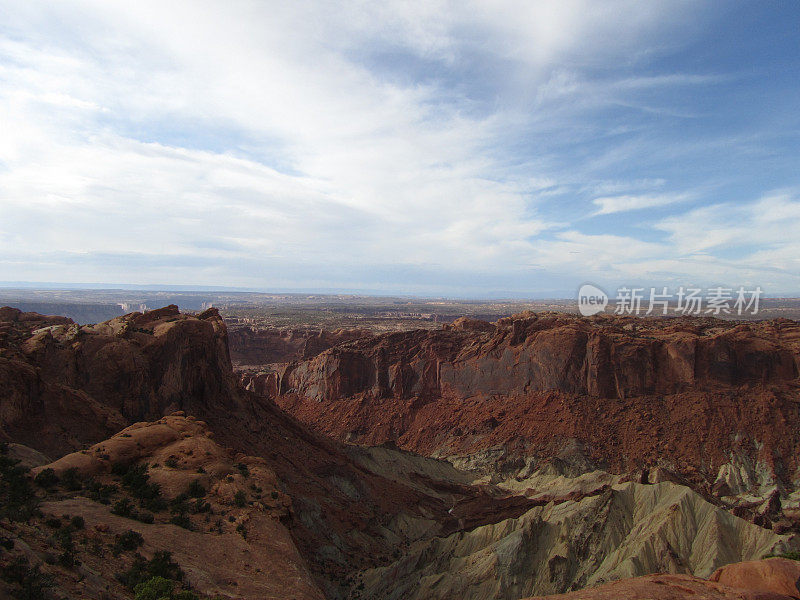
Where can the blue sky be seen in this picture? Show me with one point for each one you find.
(436, 148)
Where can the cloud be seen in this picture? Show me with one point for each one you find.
(614, 204)
(379, 145)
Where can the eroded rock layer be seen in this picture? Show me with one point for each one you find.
(716, 403)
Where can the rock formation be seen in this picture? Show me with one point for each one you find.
(713, 403)
(694, 421)
(771, 579)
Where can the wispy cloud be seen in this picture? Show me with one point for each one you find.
(608, 205)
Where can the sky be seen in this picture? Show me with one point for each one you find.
(465, 149)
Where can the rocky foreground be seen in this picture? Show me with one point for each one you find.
(580, 452)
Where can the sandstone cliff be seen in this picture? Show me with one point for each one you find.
(713, 402)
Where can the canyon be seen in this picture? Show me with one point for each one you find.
(540, 454)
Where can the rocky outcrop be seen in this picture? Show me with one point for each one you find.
(713, 403)
(248, 554)
(609, 357)
(260, 345)
(323, 518)
(69, 386)
(775, 575)
(770, 579)
(66, 385)
(625, 531)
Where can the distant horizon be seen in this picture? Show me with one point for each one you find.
(196, 289)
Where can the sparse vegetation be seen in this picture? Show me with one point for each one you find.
(127, 542)
(196, 489)
(161, 565)
(792, 555)
(241, 530)
(70, 479)
(240, 499)
(29, 582)
(182, 520)
(18, 501)
(99, 492)
(123, 507)
(47, 479)
(64, 539)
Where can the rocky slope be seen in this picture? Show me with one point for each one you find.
(622, 531)
(251, 345)
(66, 386)
(69, 385)
(771, 579)
(713, 402)
(229, 539)
(254, 504)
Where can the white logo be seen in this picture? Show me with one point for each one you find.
(591, 300)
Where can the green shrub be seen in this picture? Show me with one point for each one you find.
(243, 469)
(239, 499)
(180, 503)
(196, 489)
(127, 542)
(46, 479)
(155, 588)
(145, 517)
(71, 480)
(119, 469)
(123, 507)
(161, 565)
(18, 501)
(154, 504)
(182, 520)
(99, 492)
(791, 555)
(29, 582)
(77, 522)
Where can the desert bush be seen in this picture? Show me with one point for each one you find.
(46, 479)
(123, 507)
(99, 492)
(145, 517)
(155, 588)
(196, 489)
(791, 555)
(127, 542)
(182, 520)
(180, 504)
(71, 480)
(18, 501)
(161, 565)
(29, 582)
